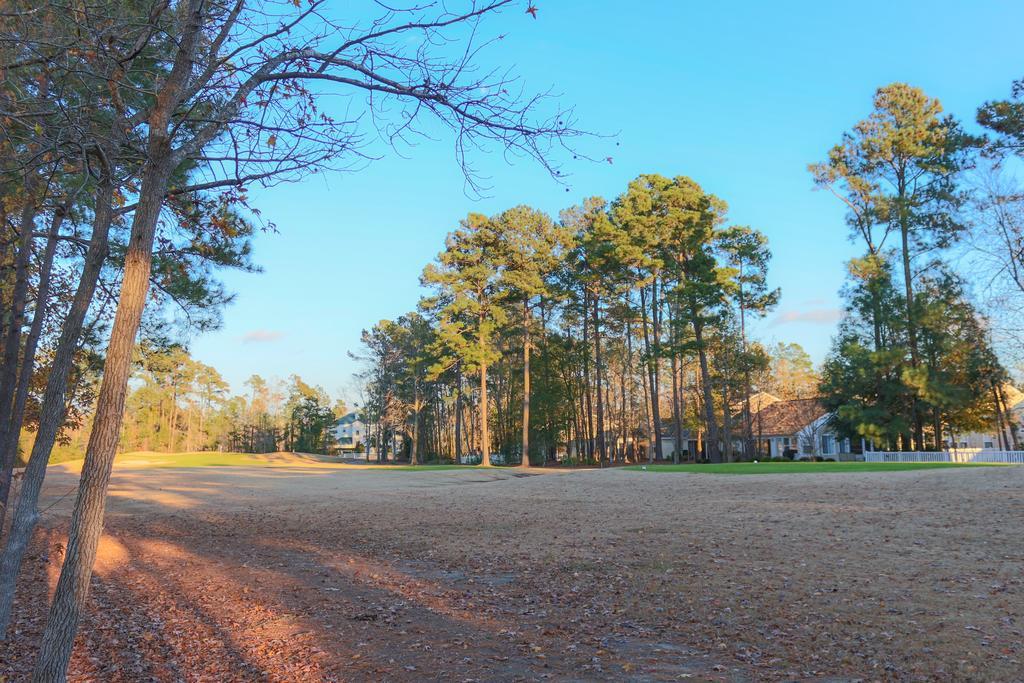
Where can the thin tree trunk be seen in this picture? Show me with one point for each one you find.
(601, 450)
(16, 321)
(677, 418)
(652, 383)
(587, 387)
(485, 437)
(748, 426)
(916, 420)
(9, 448)
(458, 415)
(525, 460)
(414, 450)
(712, 446)
(53, 407)
(1014, 438)
(726, 421)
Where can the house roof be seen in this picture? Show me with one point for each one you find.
(758, 401)
(786, 418)
(348, 418)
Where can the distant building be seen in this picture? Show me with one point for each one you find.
(993, 439)
(350, 432)
(799, 428)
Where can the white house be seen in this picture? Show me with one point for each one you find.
(350, 432)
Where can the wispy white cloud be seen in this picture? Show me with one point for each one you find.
(814, 316)
(261, 336)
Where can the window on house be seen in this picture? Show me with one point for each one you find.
(988, 444)
(826, 445)
(963, 444)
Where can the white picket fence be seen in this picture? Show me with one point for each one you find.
(959, 455)
(475, 458)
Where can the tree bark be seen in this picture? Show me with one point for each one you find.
(16, 321)
(9, 448)
(713, 451)
(652, 385)
(53, 407)
(677, 418)
(916, 418)
(87, 518)
(726, 422)
(485, 437)
(601, 448)
(525, 460)
(414, 450)
(458, 415)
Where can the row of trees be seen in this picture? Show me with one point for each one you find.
(180, 404)
(913, 361)
(603, 330)
(129, 133)
(624, 321)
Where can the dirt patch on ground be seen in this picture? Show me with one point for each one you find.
(304, 573)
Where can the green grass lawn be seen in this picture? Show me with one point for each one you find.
(218, 459)
(807, 467)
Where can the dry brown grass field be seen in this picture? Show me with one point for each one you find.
(307, 570)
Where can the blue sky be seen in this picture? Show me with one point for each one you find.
(739, 96)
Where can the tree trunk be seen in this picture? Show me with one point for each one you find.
(916, 418)
(9, 447)
(601, 449)
(713, 451)
(525, 460)
(652, 380)
(12, 342)
(748, 425)
(588, 416)
(458, 415)
(485, 437)
(726, 422)
(677, 417)
(53, 406)
(87, 518)
(414, 450)
(1013, 440)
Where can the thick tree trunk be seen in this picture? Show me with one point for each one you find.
(87, 518)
